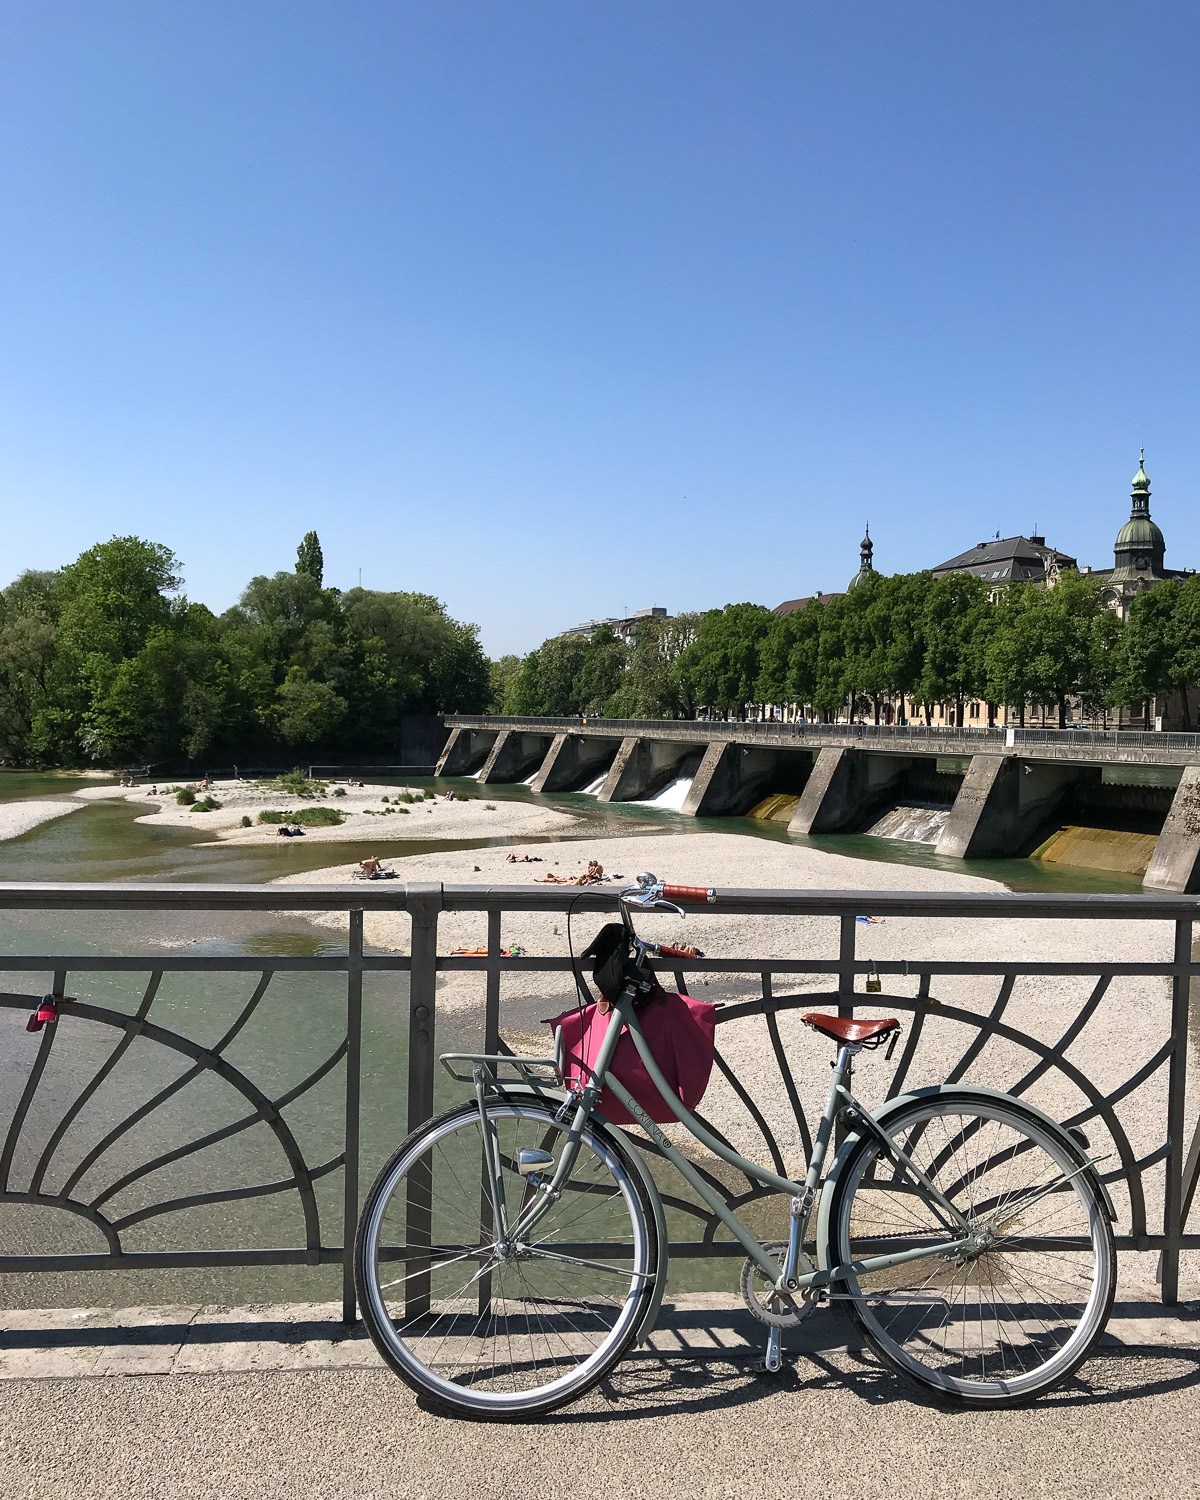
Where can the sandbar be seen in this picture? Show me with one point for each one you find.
(19, 817)
(372, 814)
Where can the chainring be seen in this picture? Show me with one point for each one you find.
(764, 1303)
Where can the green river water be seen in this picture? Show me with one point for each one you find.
(298, 1024)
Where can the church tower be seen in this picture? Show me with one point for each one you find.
(1139, 549)
(866, 566)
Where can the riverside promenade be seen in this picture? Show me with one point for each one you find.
(279, 1402)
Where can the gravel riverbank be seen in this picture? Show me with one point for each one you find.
(371, 813)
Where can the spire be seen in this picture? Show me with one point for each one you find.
(866, 552)
(1141, 487)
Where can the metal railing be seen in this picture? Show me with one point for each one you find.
(772, 731)
(60, 1123)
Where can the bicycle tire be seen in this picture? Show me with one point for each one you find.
(526, 1301)
(1033, 1305)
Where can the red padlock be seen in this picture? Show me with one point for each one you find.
(47, 1011)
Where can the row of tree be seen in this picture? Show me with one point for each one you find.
(890, 640)
(105, 661)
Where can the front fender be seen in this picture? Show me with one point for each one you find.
(544, 1094)
(943, 1091)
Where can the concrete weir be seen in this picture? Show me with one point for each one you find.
(465, 752)
(1175, 864)
(572, 761)
(845, 788)
(514, 755)
(644, 766)
(1013, 794)
(1004, 803)
(732, 778)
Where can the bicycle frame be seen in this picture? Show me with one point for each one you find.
(803, 1194)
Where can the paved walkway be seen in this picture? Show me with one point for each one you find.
(283, 1410)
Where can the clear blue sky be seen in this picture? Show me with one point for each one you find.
(551, 309)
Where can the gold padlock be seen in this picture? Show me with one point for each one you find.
(874, 984)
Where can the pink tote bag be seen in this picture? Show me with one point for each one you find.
(681, 1033)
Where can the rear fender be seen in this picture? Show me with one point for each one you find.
(942, 1091)
(519, 1093)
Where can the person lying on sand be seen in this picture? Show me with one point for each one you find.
(593, 875)
(524, 859)
(290, 831)
(516, 951)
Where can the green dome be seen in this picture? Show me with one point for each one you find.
(1140, 531)
(1140, 479)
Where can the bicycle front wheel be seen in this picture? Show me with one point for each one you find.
(499, 1328)
(1014, 1312)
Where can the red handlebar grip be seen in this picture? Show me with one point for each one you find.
(666, 951)
(689, 893)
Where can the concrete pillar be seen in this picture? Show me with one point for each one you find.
(465, 750)
(1175, 863)
(845, 787)
(616, 772)
(643, 767)
(732, 778)
(513, 756)
(572, 761)
(1003, 804)
(717, 774)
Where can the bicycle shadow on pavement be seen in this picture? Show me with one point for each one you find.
(703, 1360)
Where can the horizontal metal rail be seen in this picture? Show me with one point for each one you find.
(57, 1140)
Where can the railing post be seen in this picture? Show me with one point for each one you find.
(846, 940)
(1168, 1268)
(354, 974)
(424, 904)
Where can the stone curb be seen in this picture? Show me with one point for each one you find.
(77, 1343)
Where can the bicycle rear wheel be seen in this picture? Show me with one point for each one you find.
(1020, 1310)
(501, 1330)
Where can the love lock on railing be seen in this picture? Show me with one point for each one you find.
(45, 1014)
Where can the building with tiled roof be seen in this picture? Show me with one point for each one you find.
(1011, 559)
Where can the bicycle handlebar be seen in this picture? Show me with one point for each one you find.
(702, 893)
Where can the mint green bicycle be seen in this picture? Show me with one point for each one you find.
(515, 1247)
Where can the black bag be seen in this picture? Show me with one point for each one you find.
(610, 951)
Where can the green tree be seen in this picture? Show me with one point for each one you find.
(114, 595)
(308, 713)
(1159, 650)
(651, 686)
(100, 700)
(310, 559)
(722, 665)
(832, 685)
(603, 669)
(500, 674)
(1052, 644)
(28, 639)
(957, 622)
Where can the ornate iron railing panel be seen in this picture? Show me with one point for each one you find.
(1101, 1043)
